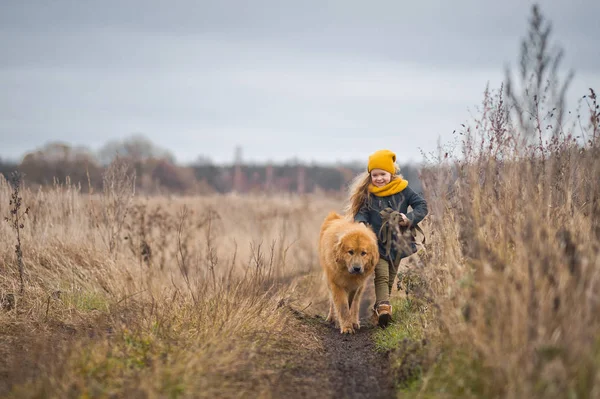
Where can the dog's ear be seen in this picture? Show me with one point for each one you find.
(373, 255)
(374, 258)
(338, 248)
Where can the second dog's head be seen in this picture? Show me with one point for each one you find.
(356, 250)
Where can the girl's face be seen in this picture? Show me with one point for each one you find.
(380, 177)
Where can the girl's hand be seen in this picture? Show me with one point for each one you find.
(404, 222)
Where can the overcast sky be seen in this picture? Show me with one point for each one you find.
(321, 81)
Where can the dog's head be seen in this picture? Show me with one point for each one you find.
(357, 250)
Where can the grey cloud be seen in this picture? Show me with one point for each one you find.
(282, 79)
(464, 32)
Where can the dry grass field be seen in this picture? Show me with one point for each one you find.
(125, 296)
(150, 297)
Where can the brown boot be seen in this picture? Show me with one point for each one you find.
(383, 311)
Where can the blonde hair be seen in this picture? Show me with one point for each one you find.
(358, 192)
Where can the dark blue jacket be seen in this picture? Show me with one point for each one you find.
(369, 213)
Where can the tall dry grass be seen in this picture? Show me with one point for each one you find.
(514, 260)
(152, 297)
(511, 291)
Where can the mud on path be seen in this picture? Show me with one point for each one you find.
(348, 366)
(356, 369)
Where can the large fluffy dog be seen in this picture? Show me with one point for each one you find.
(348, 254)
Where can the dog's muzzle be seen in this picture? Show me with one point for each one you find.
(356, 269)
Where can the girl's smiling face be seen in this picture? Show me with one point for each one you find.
(380, 177)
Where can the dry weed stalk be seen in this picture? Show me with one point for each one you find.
(118, 183)
(183, 252)
(16, 221)
(540, 106)
(212, 258)
(151, 234)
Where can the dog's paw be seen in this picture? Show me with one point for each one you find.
(347, 329)
(356, 325)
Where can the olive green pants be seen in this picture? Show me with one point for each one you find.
(385, 273)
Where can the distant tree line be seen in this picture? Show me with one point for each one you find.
(157, 171)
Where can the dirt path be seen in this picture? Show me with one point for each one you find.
(356, 370)
(347, 367)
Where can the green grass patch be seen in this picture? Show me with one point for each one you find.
(403, 338)
(407, 325)
(458, 373)
(85, 300)
(427, 369)
(439, 369)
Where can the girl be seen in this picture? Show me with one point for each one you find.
(380, 198)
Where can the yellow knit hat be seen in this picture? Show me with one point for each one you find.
(382, 159)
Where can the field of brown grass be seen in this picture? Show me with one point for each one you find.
(126, 296)
(151, 297)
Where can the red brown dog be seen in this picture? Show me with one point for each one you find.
(348, 254)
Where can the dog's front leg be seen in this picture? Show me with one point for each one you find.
(355, 307)
(342, 310)
(331, 315)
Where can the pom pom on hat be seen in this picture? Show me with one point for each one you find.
(382, 159)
